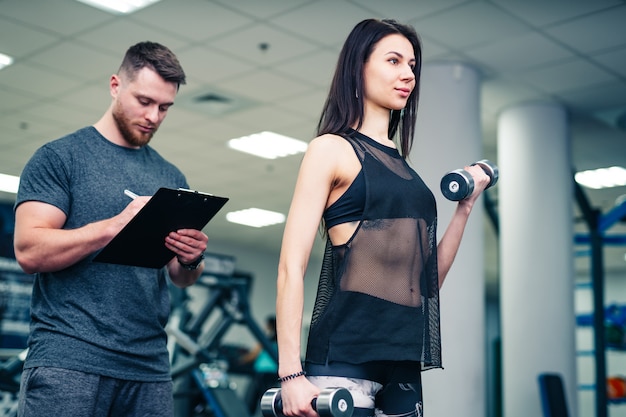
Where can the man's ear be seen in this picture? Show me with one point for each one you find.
(114, 85)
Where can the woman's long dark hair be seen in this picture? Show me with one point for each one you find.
(343, 108)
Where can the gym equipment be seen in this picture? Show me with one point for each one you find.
(227, 305)
(221, 398)
(11, 371)
(552, 392)
(200, 369)
(331, 402)
(616, 387)
(458, 184)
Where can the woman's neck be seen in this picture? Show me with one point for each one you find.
(376, 126)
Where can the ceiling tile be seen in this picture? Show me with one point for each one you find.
(53, 115)
(338, 18)
(44, 118)
(519, 53)
(551, 12)
(208, 65)
(595, 32)
(196, 20)
(19, 41)
(474, 23)
(573, 74)
(606, 149)
(306, 104)
(11, 129)
(214, 103)
(431, 49)
(215, 130)
(264, 86)
(60, 17)
(262, 45)
(264, 118)
(21, 150)
(34, 80)
(316, 68)
(118, 35)
(93, 99)
(180, 119)
(405, 10)
(262, 10)
(614, 60)
(12, 100)
(78, 61)
(499, 93)
(597, 97)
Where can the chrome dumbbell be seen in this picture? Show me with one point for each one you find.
(458, 184)
(331, 402)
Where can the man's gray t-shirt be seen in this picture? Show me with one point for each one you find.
(95, 317)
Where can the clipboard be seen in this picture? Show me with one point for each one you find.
(142, 241)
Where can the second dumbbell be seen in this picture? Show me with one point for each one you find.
(458, 184)
(331, 402)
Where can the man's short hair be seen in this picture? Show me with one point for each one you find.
(156, 57)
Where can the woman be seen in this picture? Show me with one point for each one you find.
(375, 323)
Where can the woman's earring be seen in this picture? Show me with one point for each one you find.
(356, 93)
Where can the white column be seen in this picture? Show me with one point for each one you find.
(536, 261)
(448, 136)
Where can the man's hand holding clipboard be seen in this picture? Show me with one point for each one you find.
(142, 242)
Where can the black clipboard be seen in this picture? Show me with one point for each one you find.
(142, 241)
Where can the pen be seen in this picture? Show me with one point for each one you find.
(130, 194)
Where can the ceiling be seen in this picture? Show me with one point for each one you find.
(272, 61)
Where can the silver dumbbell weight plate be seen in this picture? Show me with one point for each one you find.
(457, 184)
(336, 403)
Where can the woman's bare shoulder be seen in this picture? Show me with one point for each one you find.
(329, 142)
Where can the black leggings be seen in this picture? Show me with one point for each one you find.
(382, 388)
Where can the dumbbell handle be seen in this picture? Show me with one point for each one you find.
(279, 406)
(490, 169)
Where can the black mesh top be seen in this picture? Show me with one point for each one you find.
(378, 294)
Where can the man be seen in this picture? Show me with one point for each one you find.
(97, 345)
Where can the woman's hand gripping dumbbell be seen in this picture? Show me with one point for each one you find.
(331, 402)
(458, 184)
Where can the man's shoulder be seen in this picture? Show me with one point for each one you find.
(158, 159)
(71, 139)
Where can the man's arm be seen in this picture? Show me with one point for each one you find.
(42, 245)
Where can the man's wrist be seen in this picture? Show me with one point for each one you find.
(192, 266)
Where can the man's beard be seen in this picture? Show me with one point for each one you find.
(124, 125)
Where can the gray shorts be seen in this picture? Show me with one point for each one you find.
(380, 389)
(400, 399)
(62, 392)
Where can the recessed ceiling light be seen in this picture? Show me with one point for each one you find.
(9, 183)
(255, 217)
(602, 177)
(5, 60)
(119, 6)
(268, 145)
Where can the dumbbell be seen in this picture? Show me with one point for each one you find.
(458, 184)
(331, 402)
